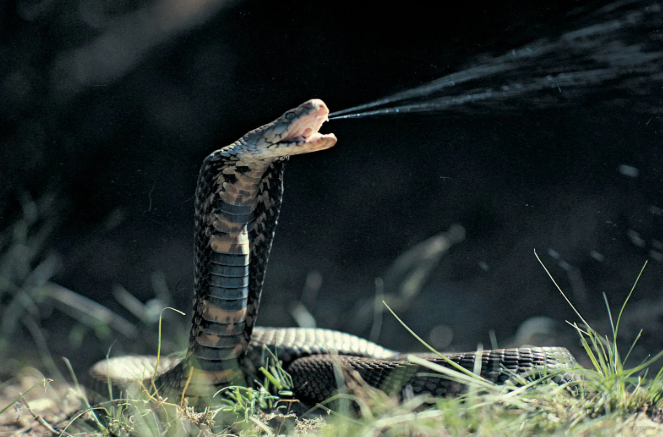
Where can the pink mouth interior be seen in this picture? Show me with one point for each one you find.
(306, 128)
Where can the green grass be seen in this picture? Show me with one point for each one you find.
(610, 400)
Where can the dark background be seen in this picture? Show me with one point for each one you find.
(110, 107)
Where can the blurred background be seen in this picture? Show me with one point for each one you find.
(108, 108)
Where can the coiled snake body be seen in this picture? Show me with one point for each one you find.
(237, 203)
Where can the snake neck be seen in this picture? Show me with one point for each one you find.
(230, 207)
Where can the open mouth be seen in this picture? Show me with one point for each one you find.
(305, 130)
(308, 136)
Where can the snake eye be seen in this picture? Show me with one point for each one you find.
(290, 115)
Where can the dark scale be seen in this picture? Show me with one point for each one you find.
(216, 328)
(228, 271)
(222, 291)
(229, 259)
(222, 353)
(242, 169)
(230, 282)
(215, 366)
(234, 209)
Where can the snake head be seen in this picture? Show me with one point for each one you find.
(293, 133)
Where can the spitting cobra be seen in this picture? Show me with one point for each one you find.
(237, 204)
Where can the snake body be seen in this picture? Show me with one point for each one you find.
(237, 203)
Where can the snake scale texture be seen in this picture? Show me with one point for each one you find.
(237, 204)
